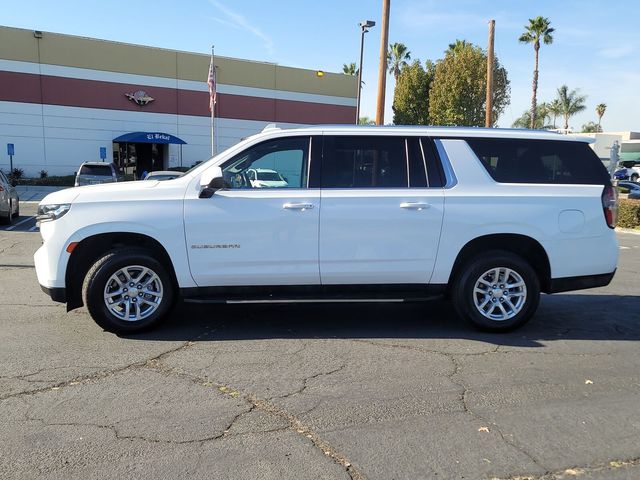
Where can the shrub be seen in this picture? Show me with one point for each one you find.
(629, 213)
(44, 174)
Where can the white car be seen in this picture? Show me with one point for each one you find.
(488, 217)
(265, 178)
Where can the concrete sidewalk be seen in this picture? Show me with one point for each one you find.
(34, 193)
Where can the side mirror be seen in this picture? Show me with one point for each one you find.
(211, 181)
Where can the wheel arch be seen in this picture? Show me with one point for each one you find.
(93, 247)
(522, 245)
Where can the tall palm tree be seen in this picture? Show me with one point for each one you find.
(397, 57)
(538, 29)
(572, 102)
(555, 109)
(600, 109)
(458, 45)
(350, 69)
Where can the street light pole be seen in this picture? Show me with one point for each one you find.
(364, 26)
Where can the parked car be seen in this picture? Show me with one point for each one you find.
(634, 189)
(265, 178)
(163, 175)
(92, 173)
(629, 171)
(9, 201)
(489, 218)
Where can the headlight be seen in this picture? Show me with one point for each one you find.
(52, 212)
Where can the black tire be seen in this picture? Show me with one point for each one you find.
(634, 177)
(17, 210)
(464, 297)
(95, 282)
(8, 220)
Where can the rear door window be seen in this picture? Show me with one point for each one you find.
(364, 162)
(96, 170)
(539, 161)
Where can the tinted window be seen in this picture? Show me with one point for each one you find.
(100, 170)
(417, 167)
(434, 165)
(539, 161)
(280, 163)
(364, 162)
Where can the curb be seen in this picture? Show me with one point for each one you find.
(632, 231)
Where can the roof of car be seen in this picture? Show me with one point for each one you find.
(106, 164)
(455, 132)
(166, 172)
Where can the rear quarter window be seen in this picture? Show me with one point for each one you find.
(539, 161)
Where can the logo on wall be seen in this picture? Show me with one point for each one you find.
(140, 97)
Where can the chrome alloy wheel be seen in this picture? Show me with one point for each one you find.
(133, 293)
(500, 294)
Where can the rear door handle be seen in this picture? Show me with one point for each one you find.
(414, 205)
(298, 206)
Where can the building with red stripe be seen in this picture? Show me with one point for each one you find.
(64, 98)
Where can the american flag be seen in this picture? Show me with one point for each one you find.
(212, 85)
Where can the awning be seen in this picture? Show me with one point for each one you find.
(148, 137)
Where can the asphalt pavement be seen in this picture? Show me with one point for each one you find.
(384, 391)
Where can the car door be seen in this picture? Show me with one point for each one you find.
(248, 236)
(381, 217)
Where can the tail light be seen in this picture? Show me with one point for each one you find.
(610, 205)
(1, 188)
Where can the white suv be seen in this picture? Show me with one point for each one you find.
(488, 217)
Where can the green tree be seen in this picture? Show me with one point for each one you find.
(538, 29)
(458, 91)
(411, 95)
(350, 69)
(397, 57)
(555, 110)
(571, 102)
(600, 109)
(591, 127)
(543, 114)
(366, 121)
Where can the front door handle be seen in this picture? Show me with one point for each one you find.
(298, 206)
(414, 205)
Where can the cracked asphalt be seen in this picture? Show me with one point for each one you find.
(391, 391)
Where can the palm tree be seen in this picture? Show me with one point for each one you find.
(458, 45)
(555, 109)
(397, 57)
(571, 103)
(539, 28)
(350, 69)
(600, 109)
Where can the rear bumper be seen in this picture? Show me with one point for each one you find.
(57, 294)
(580, 283)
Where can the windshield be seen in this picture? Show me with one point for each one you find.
(99, 170)
(269, 176)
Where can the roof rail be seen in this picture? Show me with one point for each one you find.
(271, 126)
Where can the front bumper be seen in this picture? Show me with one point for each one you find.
(56, 294)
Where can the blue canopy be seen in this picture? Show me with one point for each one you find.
(148, 137)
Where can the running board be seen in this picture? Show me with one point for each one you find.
(292, 300)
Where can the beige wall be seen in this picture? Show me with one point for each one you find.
(57, 49)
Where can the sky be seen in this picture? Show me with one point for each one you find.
(596, 46)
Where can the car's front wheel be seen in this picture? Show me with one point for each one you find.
(634, 177)
(127, 291)
(496, 291)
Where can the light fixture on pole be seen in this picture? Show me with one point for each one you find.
(364, 27)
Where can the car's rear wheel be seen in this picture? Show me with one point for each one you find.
(17, 214)
(496, 291)
(8, 220)
(127, 291)
(634, 177)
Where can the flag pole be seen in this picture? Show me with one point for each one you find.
(212, 104)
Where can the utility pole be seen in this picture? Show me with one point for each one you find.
(488, 121)
(382, 70)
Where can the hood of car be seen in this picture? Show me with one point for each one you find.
(104, 191)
